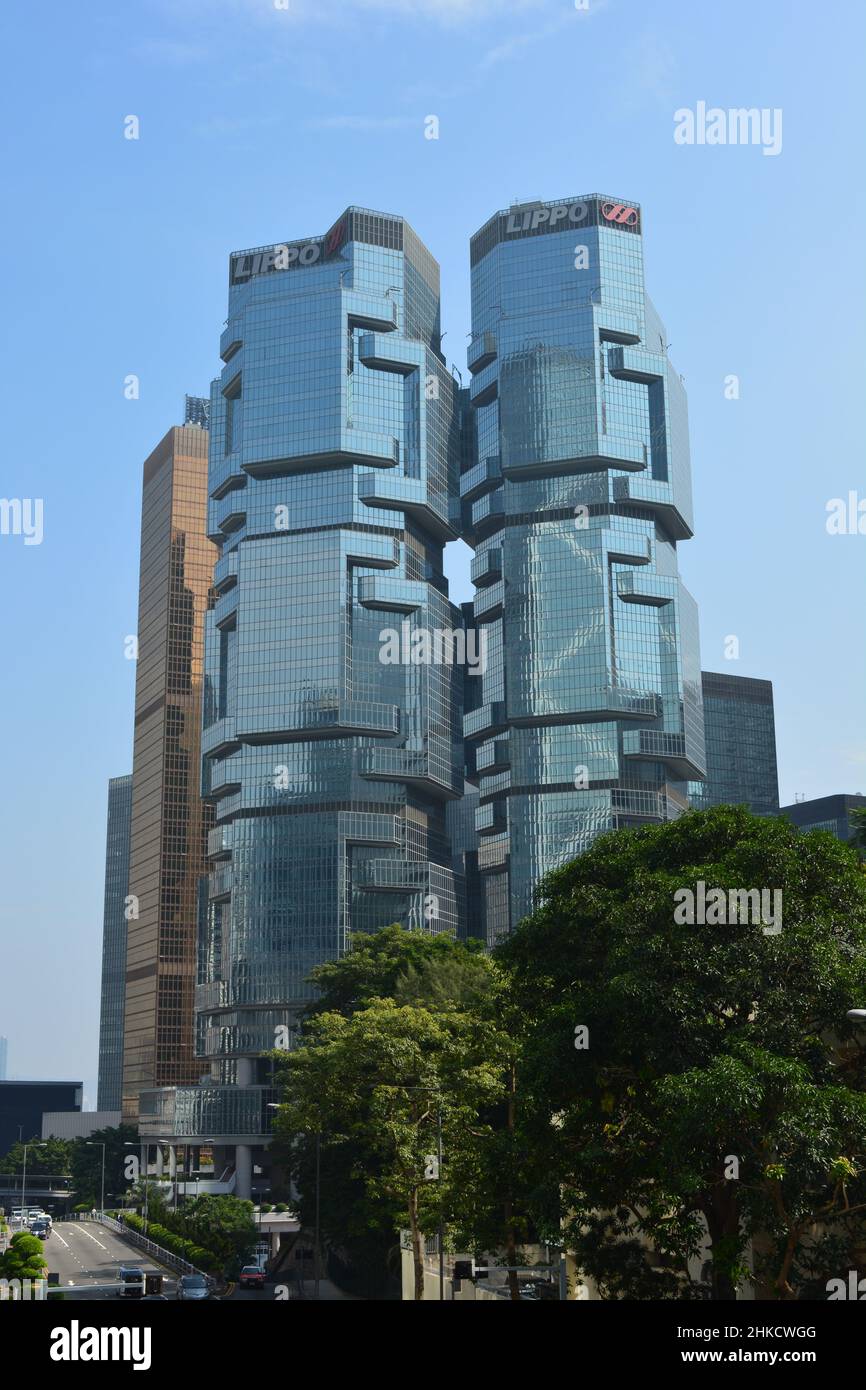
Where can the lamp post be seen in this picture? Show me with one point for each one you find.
(38, 1145)
(97, 1144)
(130, 1144)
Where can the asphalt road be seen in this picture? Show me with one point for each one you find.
(84, 1252)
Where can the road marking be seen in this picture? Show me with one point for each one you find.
(95, 1241)
(60, 1238)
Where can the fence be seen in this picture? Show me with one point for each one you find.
(157, 1252)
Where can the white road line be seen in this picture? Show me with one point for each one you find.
(85, 1232)
(60, 1238)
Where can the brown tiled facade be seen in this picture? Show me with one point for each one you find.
(169, 821)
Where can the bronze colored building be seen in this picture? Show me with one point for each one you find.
(168, 841)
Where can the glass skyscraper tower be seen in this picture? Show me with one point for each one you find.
(577, 494)
(114, 925)
(330, 752)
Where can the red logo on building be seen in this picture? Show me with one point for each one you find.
(618, 212)
(335, 238)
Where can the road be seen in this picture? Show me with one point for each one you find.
(84, 1252)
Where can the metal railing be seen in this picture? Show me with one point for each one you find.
(158, 1252)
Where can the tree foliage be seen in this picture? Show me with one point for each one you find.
(711, 1049)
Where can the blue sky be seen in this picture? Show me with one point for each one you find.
(260, 124)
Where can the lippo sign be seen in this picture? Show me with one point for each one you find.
(594, 212)
(290, 255)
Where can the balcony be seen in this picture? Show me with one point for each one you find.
(488, 603)
(413, 766)
(225, 572)
(409, 495)
(486, 568)
(225, 774)
(219, 737)
(351, 717)
(220, 884)
(487, 719)
(219, 842)
(656, 745)
(370, 311)
(495, 754)
(606, 451)
(636, 364)
(228, 513)
(390, 353)
(391, 593)
(485, 386)
(481, 352)
(230, 339)
(491, 818)
(615, 325)
(488, 512)
(484, 477)
(654, 590)
(392, 875)
(225, 609)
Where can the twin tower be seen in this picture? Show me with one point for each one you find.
(374, 753)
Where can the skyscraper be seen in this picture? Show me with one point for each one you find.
(114, 943)
(579, 493)
(331, 738)
(169, 822)
(740, 728)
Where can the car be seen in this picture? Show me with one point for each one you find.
(131, 1281)
(40, 1230)
(193, 1286)
(251, 1277)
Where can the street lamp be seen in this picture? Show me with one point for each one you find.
(96, 1144)
(130, 1144)
(856, 1015)
(38, 1145)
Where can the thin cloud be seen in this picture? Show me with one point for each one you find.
(363, 123)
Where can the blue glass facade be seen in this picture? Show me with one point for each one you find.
(333, 479)
(740, 730)
(114, 926)
(576, 494)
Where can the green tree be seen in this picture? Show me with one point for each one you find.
(223, 1224)
(85, 1163)
(23, 1259)
(375, 1086)
(722, 1089)
(410, 967)
(857, 819)
(395, 963)
(43, 1157)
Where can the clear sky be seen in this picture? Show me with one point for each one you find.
(260, 123)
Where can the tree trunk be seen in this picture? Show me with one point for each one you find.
(722, 1215)
(417, 1245)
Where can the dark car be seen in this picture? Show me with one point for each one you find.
(131, 1281)
(251, 1277)
(193, 1286)
(41, 1230)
